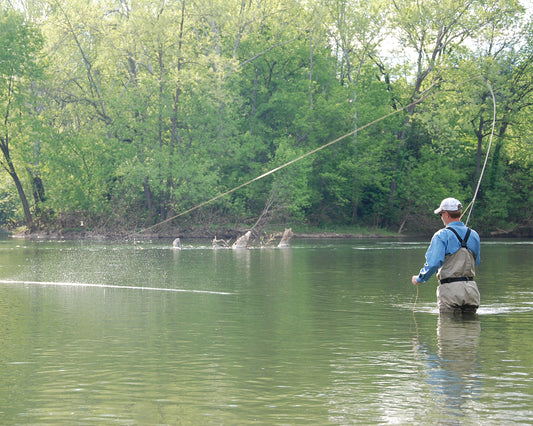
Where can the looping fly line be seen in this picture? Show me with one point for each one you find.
(471, 205)
(424, 96)
(301, 157)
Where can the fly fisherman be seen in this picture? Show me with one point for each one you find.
(453, 254)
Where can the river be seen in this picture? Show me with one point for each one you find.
(324, 332)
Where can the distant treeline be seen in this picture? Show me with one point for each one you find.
(118, 115)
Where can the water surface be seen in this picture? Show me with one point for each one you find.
(325, 332)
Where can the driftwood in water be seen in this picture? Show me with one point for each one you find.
(266, 240)
(242, 241)
(219, 243)
(245, 240)
(500, 231)
(286, 238)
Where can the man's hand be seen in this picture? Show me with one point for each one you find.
(414, 280)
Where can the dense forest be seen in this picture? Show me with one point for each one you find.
(126, 115)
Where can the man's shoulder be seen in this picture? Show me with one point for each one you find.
(440, 234)
(462, 229)
(448, 231)
(474, 232)
(460, 225)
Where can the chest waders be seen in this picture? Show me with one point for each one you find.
(459, 266)
(457, 289)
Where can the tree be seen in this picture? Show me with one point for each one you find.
(357, 31)
(20, 47)
(507, 65)
(432, 31)
(153, 108)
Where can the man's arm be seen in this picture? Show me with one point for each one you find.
(434, 259)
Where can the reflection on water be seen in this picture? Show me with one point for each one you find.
(456, 377)
(321, 333)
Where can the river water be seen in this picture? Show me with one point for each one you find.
(324, 332)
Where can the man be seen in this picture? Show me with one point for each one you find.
(453, 254)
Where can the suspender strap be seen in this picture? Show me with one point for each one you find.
(463, 242)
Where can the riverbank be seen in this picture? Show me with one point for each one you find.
(228, 234)
(232, 233)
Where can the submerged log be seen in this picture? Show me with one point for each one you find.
(242, 241)
(286, 238)
(219, 243)
(267, 239)
(500, 231)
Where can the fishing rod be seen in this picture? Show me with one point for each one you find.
(424, 96)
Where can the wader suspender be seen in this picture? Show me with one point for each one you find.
(463, 245)
(463, 242)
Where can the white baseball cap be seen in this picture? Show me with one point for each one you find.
(449, 205)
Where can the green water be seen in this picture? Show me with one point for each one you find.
(325, 332)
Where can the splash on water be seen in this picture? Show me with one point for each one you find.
(492, 309)
(67, 284)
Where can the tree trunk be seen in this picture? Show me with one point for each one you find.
(38, 192)
(24, 200)
(286, 238)
(242, 241)
(10, 168)
(149, 198)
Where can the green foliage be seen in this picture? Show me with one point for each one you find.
(147, 110)
(10, 211)
(20, 103)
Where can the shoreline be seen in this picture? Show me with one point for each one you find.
(232, 234)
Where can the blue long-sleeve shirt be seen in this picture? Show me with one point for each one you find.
(445, 242)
